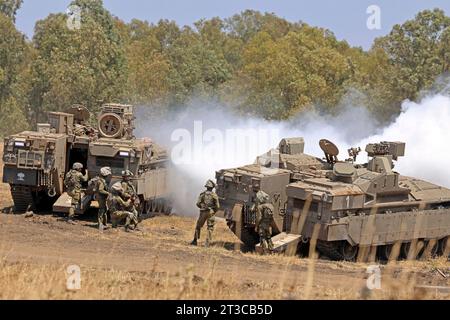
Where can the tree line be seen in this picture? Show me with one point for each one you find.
(256, 64)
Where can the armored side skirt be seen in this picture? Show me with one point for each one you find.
(381, 229)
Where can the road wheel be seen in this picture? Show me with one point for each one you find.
(154, 206)
(167, 208)
(348, 251)
(404, 250)
(430, 252)
(148, 207)
(443, 247)
(384, 252)
(407, 247)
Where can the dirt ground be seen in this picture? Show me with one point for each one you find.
(158, 263)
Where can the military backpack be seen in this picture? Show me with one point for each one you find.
(70, 181)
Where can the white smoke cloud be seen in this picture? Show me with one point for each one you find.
(425, 127)
(207, 137)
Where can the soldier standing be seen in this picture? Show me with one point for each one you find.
(73, 180)
(101, 193)
(264, 220)
(118, 208)
(129, 191)
(208, 203)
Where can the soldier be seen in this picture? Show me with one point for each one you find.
(208, 203)
(73, 180)
(118, 208)
(129, 191)
(101, 192)
(264, 220)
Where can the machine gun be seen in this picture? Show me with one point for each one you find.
(353, 154)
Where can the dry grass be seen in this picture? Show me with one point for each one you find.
(31, 281)
(180, 271)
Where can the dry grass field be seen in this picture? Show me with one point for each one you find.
(158, 263)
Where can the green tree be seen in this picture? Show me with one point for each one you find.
(10, 7)
(148, 67)
(417, 51)
(14, 59)
(249, 22)
(84, 66)
(291, 74)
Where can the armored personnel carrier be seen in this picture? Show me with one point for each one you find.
(354, 211)
(35, 162)
(271, 172)
(342, 206)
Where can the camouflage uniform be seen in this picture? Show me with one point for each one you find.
(73, 180)
(129, 192)
(264, 220)
(101, 194)
(118, 208)
(208, 203)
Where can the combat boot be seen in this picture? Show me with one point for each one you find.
(194, 242)
(128, 229)
(71, 221)
(70, 217)
(101, 227)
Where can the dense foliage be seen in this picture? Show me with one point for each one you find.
(257, 64)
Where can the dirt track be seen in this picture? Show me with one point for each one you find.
(162, 246)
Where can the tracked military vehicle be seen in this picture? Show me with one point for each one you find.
(341, 205)
(35, 162)
(271, 173)
(357, 211)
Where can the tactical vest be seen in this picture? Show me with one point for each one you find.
(71, 180)
(208, 200)
(93, 186)
(129, 188)
(266, 211)
(113, 204)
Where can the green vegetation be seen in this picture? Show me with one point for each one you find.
(256, 64)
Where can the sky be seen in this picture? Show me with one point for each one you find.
(346, 18)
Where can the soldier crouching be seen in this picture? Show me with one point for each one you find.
(208, 203)
(119, 209)
(129, 192)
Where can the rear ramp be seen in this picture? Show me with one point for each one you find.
(64, 202)
(283, 243)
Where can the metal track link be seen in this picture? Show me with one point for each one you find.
(22, 198)
(329, 250)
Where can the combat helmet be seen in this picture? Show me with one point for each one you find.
(262, 197)
(77, 166)
(127, 173)
(117, 187)
(210, 184)
(105, 171)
